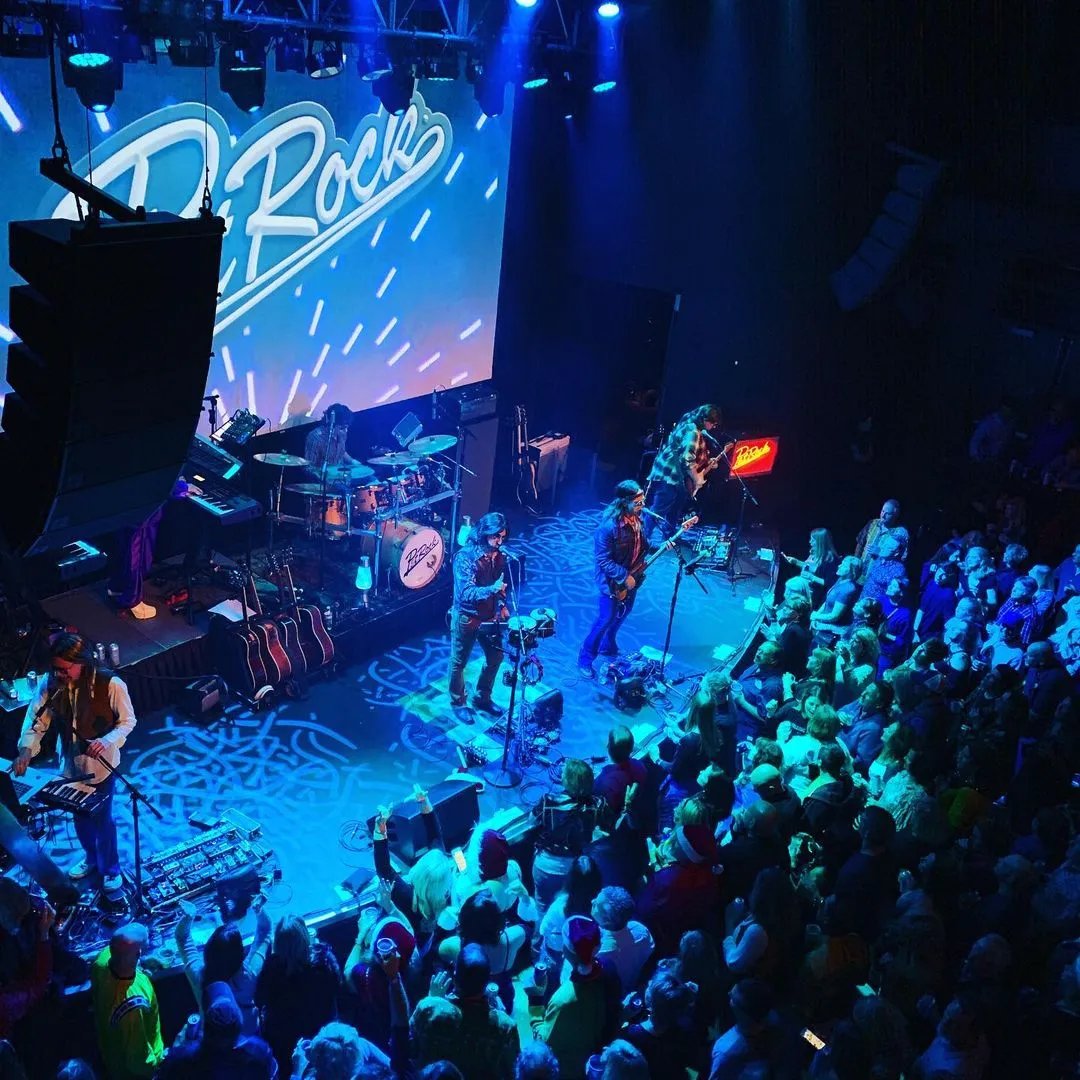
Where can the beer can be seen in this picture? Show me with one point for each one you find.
(99, 653)
(114, 655)
(31, 679)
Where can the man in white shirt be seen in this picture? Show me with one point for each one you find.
(625, 943)
(93, 715)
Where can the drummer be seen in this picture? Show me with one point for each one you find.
(326, 443)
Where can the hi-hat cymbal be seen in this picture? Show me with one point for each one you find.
(282, 461)
(394, 459)
(433, 444)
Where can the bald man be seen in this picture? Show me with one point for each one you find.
(126, 1007)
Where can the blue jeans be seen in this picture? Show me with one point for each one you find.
(97, 834)
(600, 639)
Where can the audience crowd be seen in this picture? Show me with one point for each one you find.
(856, 857)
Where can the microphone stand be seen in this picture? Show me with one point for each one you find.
(683, 568)
(734, 574)
(136, 797)
(322, 499)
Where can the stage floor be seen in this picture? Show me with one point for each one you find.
(312, 771)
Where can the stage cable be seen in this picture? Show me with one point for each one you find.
(59, 147)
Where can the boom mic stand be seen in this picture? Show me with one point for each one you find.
(136, 797)
(322, 501)
(683, 568)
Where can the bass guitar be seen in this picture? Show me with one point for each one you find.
(620, 591)
(274, 656)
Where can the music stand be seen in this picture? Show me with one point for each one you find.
(748, 457)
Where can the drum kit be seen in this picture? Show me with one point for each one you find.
(385, 501)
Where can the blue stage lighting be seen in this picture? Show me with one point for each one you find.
(604, 87)
(535, 83)
(525, 3)
(608, 9)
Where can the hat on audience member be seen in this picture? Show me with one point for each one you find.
(695, 844)
(582, 936)
(764, 776)
(401, 935)
(222, 1019)
(494, 855)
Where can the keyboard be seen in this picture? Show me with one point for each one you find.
(72, 795)
(216, 498)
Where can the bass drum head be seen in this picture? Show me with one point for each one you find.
(412, 554)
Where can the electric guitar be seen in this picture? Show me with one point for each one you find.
(524, 466)
(620, 591)
(696, 478)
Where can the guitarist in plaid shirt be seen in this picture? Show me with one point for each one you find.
(682, 466)
(619, 554)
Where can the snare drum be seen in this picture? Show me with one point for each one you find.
(412, 553)
(370, 499)
(544, 617)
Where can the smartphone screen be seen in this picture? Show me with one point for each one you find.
(459, 859)
(812, 1039)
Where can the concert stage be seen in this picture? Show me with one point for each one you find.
(312, 771)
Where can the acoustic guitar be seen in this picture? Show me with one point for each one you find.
(274, 656)
(620, 591)
(242, 659)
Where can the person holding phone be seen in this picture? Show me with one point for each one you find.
(480, 584)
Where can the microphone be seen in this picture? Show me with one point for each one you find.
(653, 514)
(510, 554)
(434, 403)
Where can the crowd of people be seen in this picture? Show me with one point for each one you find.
(856, 857)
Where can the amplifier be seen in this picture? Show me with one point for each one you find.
(203, 696)
(550, 452)
(470, 403)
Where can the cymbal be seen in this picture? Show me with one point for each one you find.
(394, 459)
(282, 461)
(433, 444)
(313, 490)
(353, 474)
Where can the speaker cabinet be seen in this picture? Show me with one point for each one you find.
(454, 803)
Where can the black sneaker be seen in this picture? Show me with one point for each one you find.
(463, 714)
(486, 705)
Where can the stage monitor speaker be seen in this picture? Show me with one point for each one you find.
(456, 805)
(116, 323)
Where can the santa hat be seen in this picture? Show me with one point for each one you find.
(399, 933)
(494, 855)
(582, 936)
(695, 844)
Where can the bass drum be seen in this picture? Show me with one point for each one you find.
(412, 554)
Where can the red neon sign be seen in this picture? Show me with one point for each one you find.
(754, 457)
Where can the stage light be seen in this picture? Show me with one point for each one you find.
(23, 38)
(490, 93)
(242, 74)
(194, 51)
(289, 53)
(608, 10)
(441, 68)
(536, 74)
(395, 90)
(373, 63)
(534, 82)
(525, 3)
(604, 86)
(90, 70)
(325, 59)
